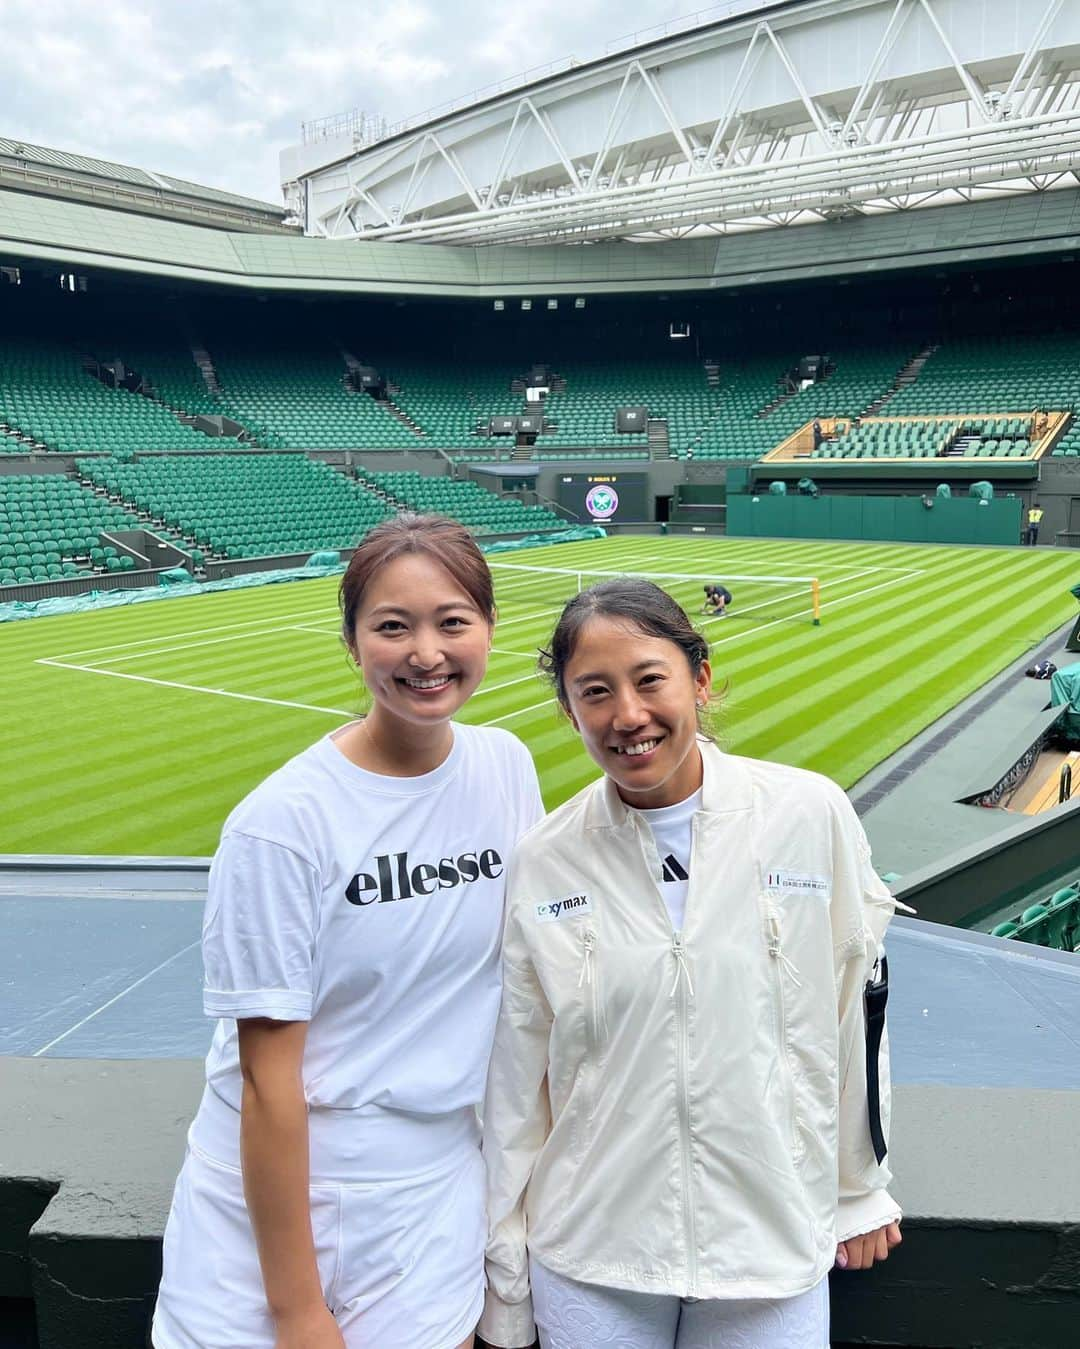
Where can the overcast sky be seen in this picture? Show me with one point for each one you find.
(212, 91)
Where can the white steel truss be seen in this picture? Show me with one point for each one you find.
(823, 109)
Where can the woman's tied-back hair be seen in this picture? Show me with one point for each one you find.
(444, 541)
(636, 602)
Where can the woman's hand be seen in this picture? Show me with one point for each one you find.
(862, 1252)
(314, 1328)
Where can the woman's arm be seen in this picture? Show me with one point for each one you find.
(868, 1221)
(862, 907)
(274, 1159)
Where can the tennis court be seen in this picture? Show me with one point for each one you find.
(135, 730)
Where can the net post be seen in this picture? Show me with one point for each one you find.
(815, 594)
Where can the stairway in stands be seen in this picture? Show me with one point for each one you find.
(392, 408)
(905, 377)
(205, 362)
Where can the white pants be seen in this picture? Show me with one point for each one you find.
(572, 1315)
(401, 1261)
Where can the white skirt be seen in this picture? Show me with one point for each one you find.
(400, 1260)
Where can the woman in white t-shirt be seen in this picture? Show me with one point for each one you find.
(332, 1192)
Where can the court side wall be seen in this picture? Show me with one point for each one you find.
(991, 1255)
(902, 519)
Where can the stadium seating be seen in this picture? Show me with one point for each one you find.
(45, 393)
(480, 510)
(1069, 444)
(967, 437)
(297, 399)
(738, 430)
(995, 374)
(450, 402)
(171, 372)
(50, 530)
(245, 505)
(584, 412)
(1053, 922)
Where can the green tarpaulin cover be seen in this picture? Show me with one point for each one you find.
(1065, 689)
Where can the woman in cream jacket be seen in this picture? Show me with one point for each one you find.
(688, 1097)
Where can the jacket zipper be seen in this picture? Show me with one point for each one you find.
(683, 989)
(588, 976)
(780, 963)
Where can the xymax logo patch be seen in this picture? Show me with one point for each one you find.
(570, 906)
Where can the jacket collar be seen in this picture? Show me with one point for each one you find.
(726, 787)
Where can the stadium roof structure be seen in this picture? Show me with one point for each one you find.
(805, 111)
(36, 230)
(39, 171)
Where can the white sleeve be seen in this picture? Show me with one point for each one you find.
(517, 1121)
(259, 931)
(864, 1200)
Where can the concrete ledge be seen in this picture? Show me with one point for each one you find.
(987, 1177)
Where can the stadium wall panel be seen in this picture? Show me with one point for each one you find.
(901, 519)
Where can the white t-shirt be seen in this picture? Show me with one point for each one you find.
(671, 831)
(371, 907)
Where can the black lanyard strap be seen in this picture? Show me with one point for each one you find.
(875, 996)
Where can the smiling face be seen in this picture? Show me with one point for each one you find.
(420, 642)
(633, 699)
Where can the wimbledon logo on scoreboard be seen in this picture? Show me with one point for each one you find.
(602, 502)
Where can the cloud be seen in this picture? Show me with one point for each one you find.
(212, 91)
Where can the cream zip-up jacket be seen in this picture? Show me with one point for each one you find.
(685, 1113)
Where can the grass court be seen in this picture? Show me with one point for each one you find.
(135, 730)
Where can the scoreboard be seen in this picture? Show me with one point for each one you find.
(604, 498)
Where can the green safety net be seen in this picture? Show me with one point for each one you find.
(1065, 692)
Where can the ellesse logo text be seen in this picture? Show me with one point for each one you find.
(396, 877)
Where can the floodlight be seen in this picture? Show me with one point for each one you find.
(553, 304)
(579, 303)
(526, 304)
(500, 305)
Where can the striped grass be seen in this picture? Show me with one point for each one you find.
(135, 730)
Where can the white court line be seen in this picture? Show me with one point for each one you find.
(341, 712)
(122, 994)
(521, 655)
(195, 632)
(517, 713)
(247, 697)
(531, 617)
(191, 646)
(507, 685)
(198, 688)
(300, 627)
